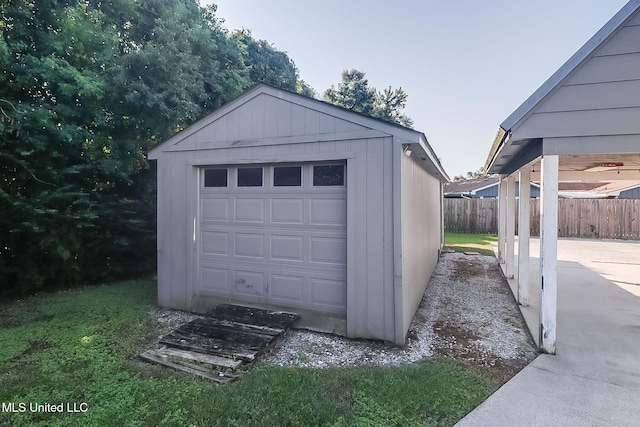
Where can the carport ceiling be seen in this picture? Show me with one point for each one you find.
(595, 167)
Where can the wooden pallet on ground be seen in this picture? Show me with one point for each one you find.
(224, 339)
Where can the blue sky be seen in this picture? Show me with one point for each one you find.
(466, 65)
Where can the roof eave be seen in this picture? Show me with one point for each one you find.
(424, 143)
(496, 147)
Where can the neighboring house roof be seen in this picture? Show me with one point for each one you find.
(416, 141)
(530, 149)
(599, 189)
(469, 186)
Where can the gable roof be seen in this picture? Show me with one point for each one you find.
(502, 139)
(357, 122)
(469, 186)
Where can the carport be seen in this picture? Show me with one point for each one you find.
(594, 380)
(582, 124)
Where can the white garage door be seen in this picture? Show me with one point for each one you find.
(275, 234)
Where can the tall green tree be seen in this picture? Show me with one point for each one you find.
(389, 105)
(183, 67)
(86, 89)
(266, 64)
(354, 93)
(51, 92)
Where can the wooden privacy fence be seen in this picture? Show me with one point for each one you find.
(471, 215)
(585, 218)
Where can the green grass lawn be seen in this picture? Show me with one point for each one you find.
(81, 346)
(462, 242)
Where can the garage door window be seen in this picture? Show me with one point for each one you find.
(215, 177)
(287, 176)
(328, 175)
(249, 177)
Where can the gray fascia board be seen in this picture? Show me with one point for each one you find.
(424, 143)
(568, 67)
(491, 168)
(532, 151)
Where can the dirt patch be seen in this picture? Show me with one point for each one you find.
(467, 267)
(475, 317)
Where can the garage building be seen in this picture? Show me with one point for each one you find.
(281, 201)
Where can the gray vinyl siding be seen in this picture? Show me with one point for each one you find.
(598, 98)
(632, 193)
(493, 192)
(488, 192)
(264, 119)
(370, 308)
(420, 234)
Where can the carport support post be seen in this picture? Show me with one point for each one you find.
(502, 217)
(510, 227)
(524, 221)
(548, 254)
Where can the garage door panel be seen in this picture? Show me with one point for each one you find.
(282, 245)
(328, 292)
(215, 279)
(215, 209)
(328, 211)
(287, 248)
(249, 210)
(287, 211)
(328, 250)
(215, 243)
(249, 245)
(287, 288)
(249, 283)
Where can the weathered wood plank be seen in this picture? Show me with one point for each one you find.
(259, 330)
(217, 376)
(253, 316)
(215, 346)
(223, 362)
(239, 332)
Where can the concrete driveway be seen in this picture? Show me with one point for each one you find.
(594, 380)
